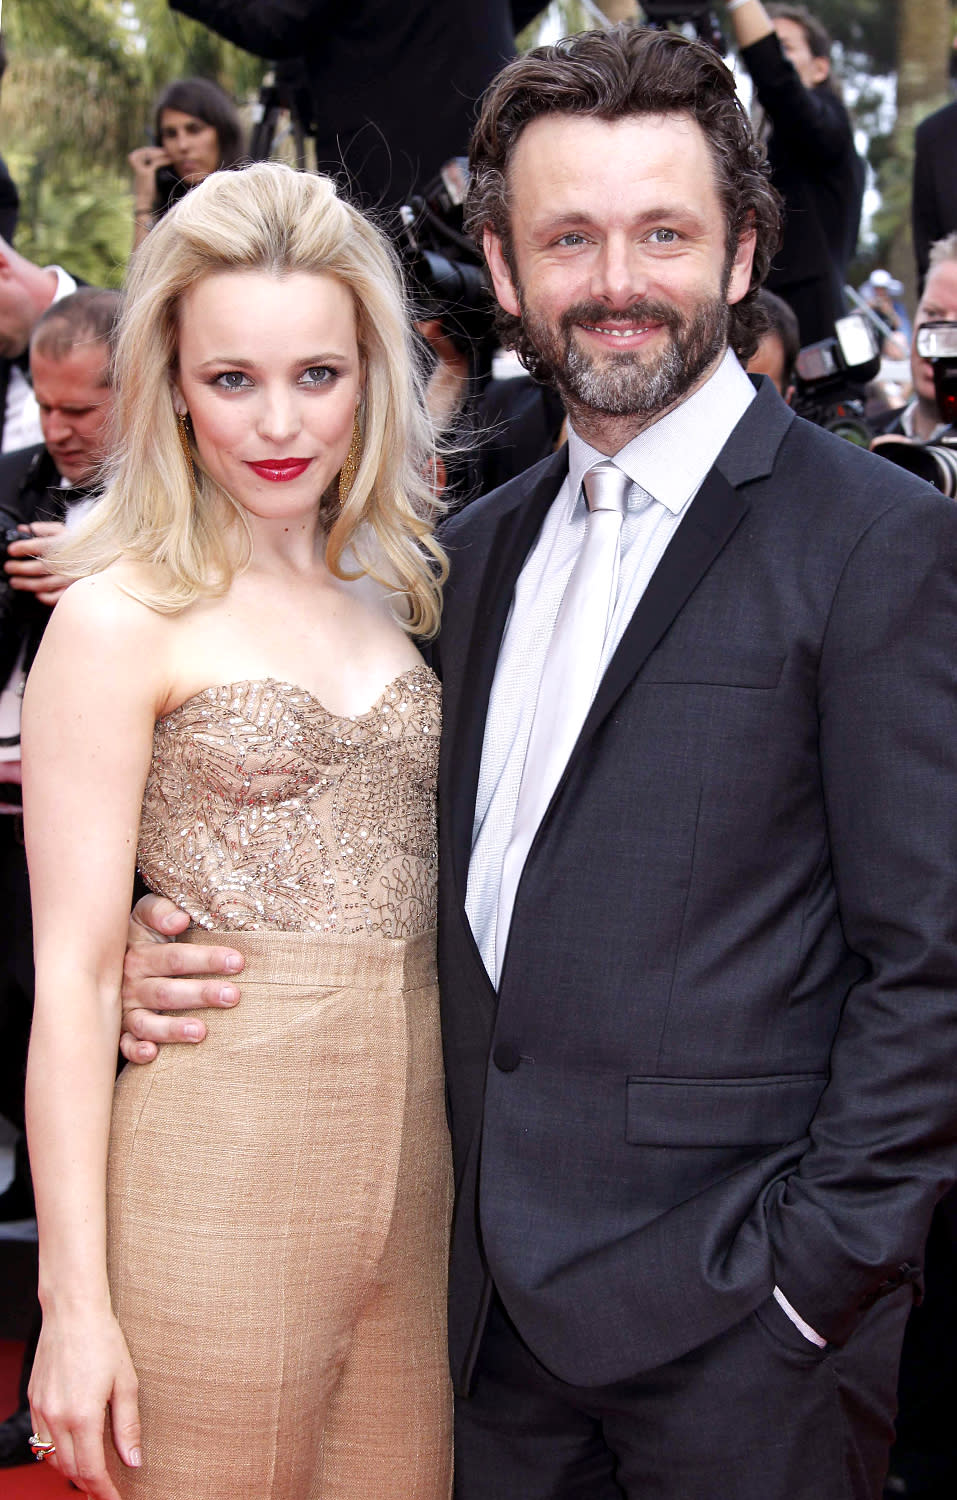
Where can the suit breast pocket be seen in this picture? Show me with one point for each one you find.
(714, 666)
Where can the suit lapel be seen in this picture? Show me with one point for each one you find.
(514, 534)
(713, 516)
(711, 519)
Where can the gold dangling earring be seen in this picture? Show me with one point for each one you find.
(347, 473)
(182, 419)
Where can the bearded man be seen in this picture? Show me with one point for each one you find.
(698, 923)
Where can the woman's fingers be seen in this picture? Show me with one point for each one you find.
(125, 1420)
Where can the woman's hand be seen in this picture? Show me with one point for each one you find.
(145, 162)
(82, 1365)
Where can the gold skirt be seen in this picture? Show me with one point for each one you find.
(279, 1201)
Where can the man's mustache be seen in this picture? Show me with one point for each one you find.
(636, 312)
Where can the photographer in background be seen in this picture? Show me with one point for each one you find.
(393, 87)
(196, 130)
(779, 347)
(70, 353)
(814, 165)
(920, 418)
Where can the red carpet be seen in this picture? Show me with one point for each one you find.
(33, 1481)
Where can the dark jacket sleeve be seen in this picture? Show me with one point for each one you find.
(267, 28)
(924, 214)
(524, 12)
(811, 124)
(885, 1129)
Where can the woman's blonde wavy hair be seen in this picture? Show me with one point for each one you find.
(269, 218)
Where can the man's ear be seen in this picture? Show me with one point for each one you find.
(740, 279)
(819, 70)
(500, 273)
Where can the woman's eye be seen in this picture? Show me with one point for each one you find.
(233, 380)
(318, 375)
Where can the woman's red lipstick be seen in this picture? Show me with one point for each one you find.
(279, 469)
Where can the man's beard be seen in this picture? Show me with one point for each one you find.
(638, 383)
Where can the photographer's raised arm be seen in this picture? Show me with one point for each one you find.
(787, 71)
(749, 21)
(160, 975)
(267, 28)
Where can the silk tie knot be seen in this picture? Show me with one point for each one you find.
(606, 487)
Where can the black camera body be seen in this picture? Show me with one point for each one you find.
(831, 376)
(445, 268)
(700, 14)
(9, 532)
(936, 461)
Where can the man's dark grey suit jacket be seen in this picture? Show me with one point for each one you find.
(724, 1050)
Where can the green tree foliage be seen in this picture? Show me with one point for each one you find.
(77, 97)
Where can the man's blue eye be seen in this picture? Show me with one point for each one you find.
(663, 236)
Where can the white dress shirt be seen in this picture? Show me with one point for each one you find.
(21, 418)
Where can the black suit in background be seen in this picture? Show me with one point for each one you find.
(723, 1051)
(820, 176)
(934, 202)
(393, 85)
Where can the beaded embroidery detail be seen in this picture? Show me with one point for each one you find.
(264, 810)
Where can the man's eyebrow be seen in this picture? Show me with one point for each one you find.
(657, 213)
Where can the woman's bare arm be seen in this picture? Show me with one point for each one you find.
(88, 721)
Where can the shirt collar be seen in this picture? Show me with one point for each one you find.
(670, 459)
(65, 284)
(908, 418)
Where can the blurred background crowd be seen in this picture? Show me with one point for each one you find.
(111, 110)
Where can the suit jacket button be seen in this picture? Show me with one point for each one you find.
(506, 1058)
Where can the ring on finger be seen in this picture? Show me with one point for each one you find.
(40, 1448)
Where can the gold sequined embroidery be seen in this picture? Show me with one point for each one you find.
(264, 810)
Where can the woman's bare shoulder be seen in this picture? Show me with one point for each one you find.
(103, 613)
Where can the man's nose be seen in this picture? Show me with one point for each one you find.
(619, 277)
(56, 426)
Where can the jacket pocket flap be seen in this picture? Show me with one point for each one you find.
(721, 1112)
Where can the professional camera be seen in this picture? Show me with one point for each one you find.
(662, 14)
(935, 461)
(831, 376)
(9, 532)
(444, 266)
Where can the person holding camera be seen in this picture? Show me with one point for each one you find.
(196, 130)
(814, 165)
(920, 419)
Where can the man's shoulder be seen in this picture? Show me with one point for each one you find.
(942, 122)
(480, 517)
(840, 489)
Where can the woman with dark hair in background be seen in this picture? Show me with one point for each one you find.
(196, 130)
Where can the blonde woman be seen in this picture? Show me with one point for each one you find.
(232, 690)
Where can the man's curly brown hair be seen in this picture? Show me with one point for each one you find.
(611, 75)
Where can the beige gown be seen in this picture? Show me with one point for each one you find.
(279, 1196)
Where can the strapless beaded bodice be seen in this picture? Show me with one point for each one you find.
(264, 810)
